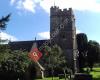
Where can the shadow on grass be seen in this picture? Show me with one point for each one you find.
(96, 70)
(96, 79)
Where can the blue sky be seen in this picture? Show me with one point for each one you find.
(30, 18)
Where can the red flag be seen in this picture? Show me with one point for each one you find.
(35, 54)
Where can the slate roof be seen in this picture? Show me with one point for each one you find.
(25, 45)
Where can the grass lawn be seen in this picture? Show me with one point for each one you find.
(55, 78)
(96, 73)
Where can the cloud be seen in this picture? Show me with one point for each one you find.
(81, 5)
(28, 5)
(5, 36)
(44, 35)
(78, 31)
(12, 2)
(25, 5)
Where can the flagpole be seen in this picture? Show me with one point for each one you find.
(39, 65)
(41, 69)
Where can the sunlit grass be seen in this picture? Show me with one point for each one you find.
(95, 73)
(50, 78)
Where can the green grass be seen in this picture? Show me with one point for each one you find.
(50, 78)
(96, 73)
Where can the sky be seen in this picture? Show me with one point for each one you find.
(31, 18)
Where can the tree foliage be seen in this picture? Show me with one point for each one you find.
(4, 52)
(13, 61)
(88, 51)
(93, 53)
(54, 59)
(17, 62)
(3, 21)
(82, 43)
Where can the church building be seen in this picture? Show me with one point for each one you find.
(62, 33)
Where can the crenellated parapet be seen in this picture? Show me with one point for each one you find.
(56, 11)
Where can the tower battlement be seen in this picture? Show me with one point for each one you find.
(54, 10)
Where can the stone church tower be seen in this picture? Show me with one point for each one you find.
(63, 33)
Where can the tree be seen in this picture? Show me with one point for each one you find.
(4, 52)
(54, 59)
(82, 48)
(3, 21)
(13, 62)
(93, 53)
(3, 24)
